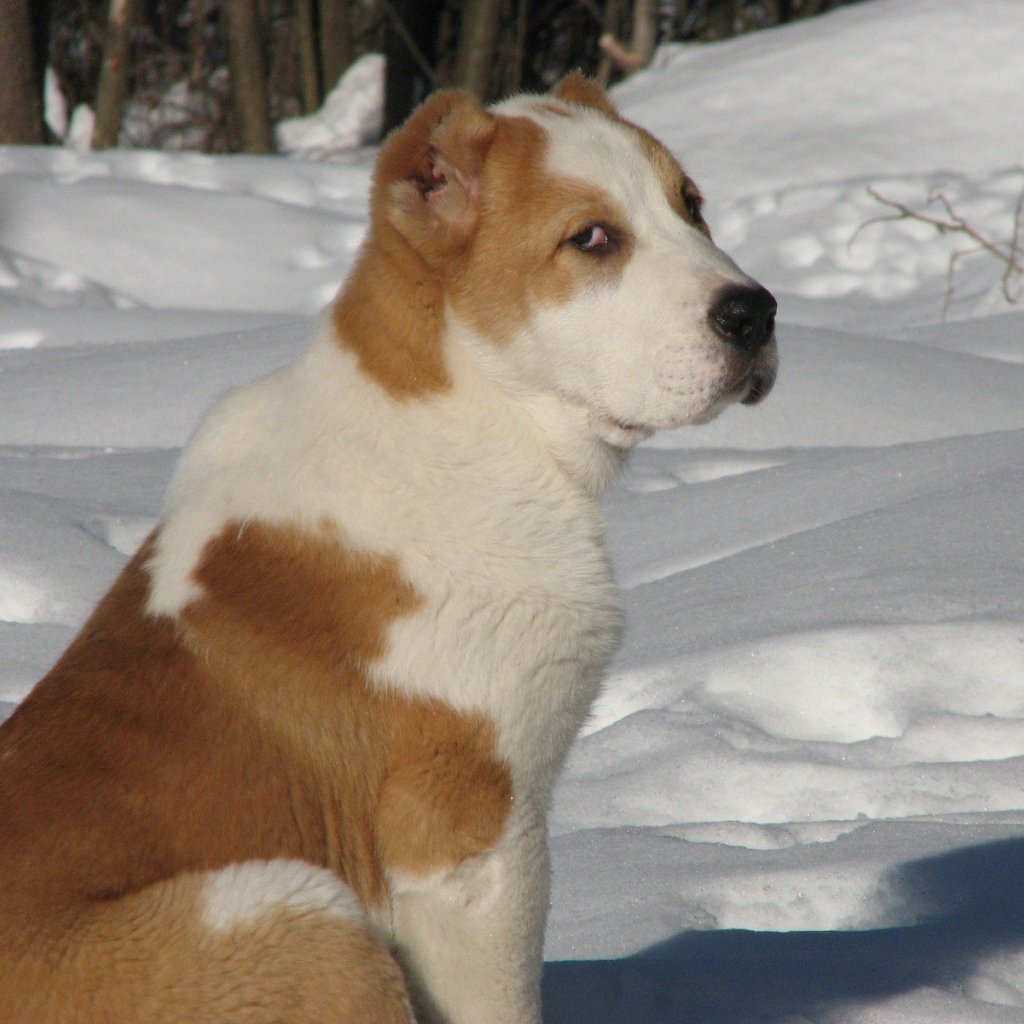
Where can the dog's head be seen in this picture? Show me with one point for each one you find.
(570, 248)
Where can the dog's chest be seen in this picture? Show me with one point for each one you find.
(518, 620)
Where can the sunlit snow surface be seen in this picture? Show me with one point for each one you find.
(801, 797)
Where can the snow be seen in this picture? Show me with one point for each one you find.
(799, 798)
(349, 117)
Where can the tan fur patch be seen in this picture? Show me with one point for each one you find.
(676, 184)
(103, 756)
(248, 731)
(577, 88)
(520, 258)
(390, 312)
(465, 212)
(150, 959)
(406, 782)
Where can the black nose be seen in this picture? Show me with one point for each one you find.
(744, 316)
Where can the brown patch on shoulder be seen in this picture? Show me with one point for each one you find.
(447, 797)
(297, 619)
(247, 729)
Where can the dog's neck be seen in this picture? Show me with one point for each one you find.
(563, 430)
(393, 316)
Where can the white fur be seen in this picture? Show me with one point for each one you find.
(472, 937)
(487, 496)
(241, 894)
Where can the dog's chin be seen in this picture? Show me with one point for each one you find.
(620, 434)
(749, 387)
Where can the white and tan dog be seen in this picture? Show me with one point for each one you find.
(295, 769)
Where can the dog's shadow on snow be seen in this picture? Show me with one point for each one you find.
(969, 903)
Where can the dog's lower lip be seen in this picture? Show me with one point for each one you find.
(757, 392)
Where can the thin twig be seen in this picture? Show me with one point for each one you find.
(954, 224)
(1009, 253)
(954, 259)
(627, 59)
(1014, 263)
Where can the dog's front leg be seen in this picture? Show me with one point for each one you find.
(471, 938)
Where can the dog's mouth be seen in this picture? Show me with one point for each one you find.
(757, 387)
(759, 377)
(751, 385)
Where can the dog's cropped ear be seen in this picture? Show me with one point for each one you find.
(585, 92)
(428, 177)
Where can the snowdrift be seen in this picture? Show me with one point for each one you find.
(800, 796)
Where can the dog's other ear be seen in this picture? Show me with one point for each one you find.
(428, 178)
(585, 92)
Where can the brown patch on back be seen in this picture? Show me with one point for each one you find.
(124, 766)
(408, 781)
(150, 959)
(248, 730)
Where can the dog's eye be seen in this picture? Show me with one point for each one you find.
(694, 205)
(597, 239)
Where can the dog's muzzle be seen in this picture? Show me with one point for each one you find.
(743, 316)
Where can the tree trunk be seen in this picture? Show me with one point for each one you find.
(409, 44)
(481, 21)
(611, 27)
(309, 64)
(21, 102)
(645, 29)
(718, 23)
(336, 44)
(514, 72)
(113, 86)
(248, 75)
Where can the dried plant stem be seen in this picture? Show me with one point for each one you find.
(1008, 252)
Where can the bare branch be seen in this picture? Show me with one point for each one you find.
(1015, 261)
(626, 59)
(1007, 252)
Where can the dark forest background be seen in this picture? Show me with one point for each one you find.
(230, 69)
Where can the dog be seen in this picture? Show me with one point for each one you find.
(296, 767)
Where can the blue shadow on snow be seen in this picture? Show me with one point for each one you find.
(975, 896)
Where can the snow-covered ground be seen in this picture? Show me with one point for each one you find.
(802, 796)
